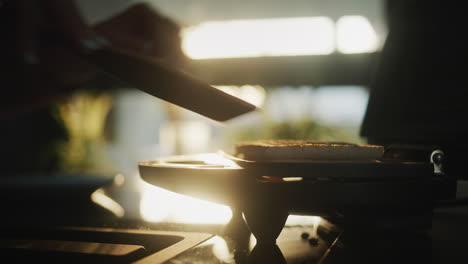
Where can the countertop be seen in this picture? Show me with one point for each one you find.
(305, 239)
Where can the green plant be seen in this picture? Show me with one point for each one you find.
(84, 118)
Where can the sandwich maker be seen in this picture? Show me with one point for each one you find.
(387, 193)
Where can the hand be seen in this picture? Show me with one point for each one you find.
(41, 59)
(142, 30)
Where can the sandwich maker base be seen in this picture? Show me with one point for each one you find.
(385, 194)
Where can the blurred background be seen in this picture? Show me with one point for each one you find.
(306, 63)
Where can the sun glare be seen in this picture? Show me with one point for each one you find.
(254, 94)
(259, 37)
(279, 37)
(159, 205)
(355, 34)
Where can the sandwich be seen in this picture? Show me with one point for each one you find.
(306, 150)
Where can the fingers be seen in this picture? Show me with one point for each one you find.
(124, 29)
(161, 35)
(142, 29)
(119, 37)
(72, 25)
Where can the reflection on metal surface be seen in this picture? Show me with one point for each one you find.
(292, 179)
(159, 205)
(221, 249)
(94, 248)
(355, 34)
(260, 37)
(100, 198)
(292, 246)
(252, 242)
(303, 220)
(214, 158)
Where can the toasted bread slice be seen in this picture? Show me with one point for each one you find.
(304, 150)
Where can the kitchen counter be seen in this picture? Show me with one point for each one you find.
(305, 239)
